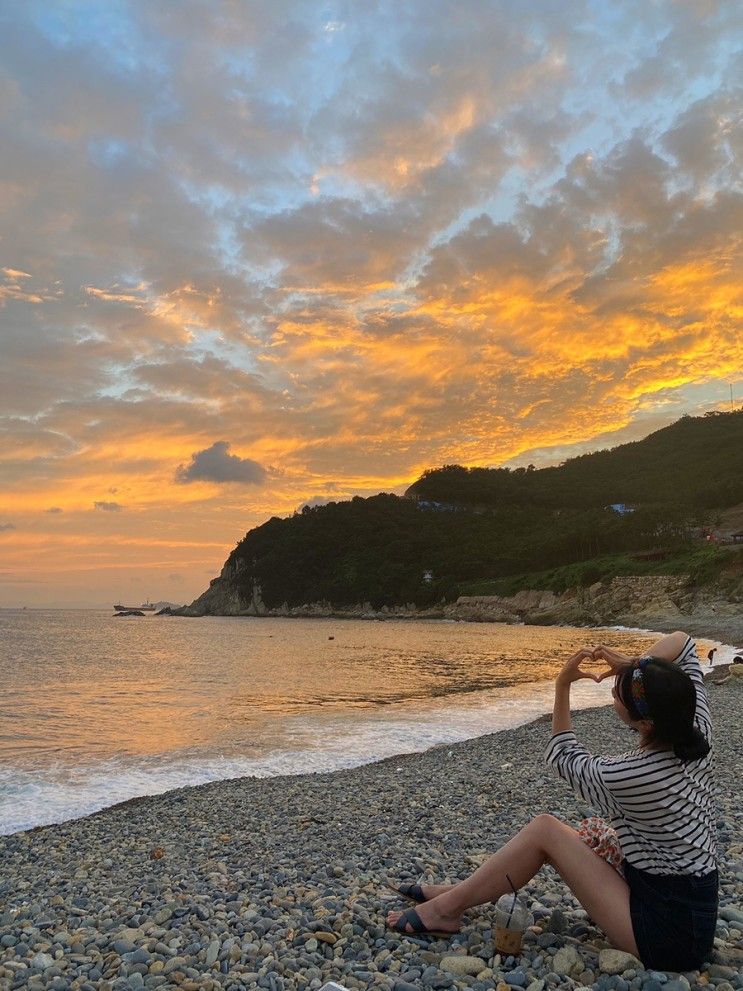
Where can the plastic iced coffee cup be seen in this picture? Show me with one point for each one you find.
(511, 919)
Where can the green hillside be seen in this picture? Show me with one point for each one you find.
(506, 523)
(696, 462)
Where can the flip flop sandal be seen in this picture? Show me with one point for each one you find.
(413, 892)
(411, 918)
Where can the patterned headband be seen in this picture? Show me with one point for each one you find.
(637, 686)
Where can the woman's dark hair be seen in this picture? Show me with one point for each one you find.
(671, 701)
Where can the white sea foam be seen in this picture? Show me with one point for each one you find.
(316, 743)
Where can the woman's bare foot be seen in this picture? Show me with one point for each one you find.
(430, 915)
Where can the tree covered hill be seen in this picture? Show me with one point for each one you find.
(378, 550)
(696, 462)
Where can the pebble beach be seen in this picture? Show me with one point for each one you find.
(279, 883)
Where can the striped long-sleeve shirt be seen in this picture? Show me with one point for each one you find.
(662, 808)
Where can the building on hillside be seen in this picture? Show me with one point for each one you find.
(737, 538)
(621, 507)
(439, 507)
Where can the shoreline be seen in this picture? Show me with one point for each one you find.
(724, 630)
(278, 883)
(138, 800)
(659, 602)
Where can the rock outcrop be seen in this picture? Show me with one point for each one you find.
(224, 597)
(625, 600)
(635, 600)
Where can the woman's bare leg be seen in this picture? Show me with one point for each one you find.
(598, 887)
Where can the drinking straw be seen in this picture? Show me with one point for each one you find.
(513, 903)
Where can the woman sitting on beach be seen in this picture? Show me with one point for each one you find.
(663, 906)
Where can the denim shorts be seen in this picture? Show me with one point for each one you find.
(673, 917)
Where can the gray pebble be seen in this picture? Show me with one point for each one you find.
(557, 922)
(123, 946)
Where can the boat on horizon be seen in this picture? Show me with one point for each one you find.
(145, 607)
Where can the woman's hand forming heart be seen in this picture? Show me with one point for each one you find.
(617, 662)
(572, 670)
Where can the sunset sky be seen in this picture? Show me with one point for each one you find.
(259, 254)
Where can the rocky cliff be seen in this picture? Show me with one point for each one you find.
(651, 601)
(224, 598)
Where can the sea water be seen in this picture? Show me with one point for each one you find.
(96, 709)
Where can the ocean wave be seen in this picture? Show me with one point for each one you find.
(313, 743)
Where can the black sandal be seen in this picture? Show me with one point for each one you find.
(413, 892)
(411, 918)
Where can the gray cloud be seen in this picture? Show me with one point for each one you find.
(707, 138)
(205, 377)
(54, 510)
(338, 244)
(216, 464)
(687, 45)
(108, 507)
(6, 526)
